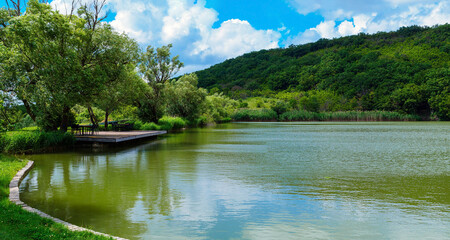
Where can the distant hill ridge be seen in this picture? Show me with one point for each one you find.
(413, 59)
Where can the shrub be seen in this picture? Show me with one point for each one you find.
(138, 125)
(254, 115)
(169, 123)
(150, 126)
(280, 107)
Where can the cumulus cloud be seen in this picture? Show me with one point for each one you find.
(332, 9)
(182, 18)
(235, 37)
(335, 9)
(188, 25)
(416, 12)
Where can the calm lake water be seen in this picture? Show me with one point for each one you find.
(257, 181)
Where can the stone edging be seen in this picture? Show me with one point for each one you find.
(14, 196)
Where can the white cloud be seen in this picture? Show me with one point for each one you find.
(182, 18)
(420, 13)
(336, 9)
(139, 19)
(189, 26)
(326, 29)
(234, 38)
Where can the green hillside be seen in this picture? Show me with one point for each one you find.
(405, 71)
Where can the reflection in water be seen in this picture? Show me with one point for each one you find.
(258, 180)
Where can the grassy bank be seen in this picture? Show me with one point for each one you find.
(16, 223)
(302, 115)
(34, 141)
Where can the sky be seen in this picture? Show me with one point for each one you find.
(207, 32)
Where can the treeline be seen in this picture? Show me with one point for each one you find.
(58, 70)
(406, 71)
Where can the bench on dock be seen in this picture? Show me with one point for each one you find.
(122, 127)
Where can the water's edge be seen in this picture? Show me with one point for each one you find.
(14, 197)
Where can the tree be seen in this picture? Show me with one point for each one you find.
(9, 113)
(57, 61)
(127, 90)
(157, 67)
(184, 97)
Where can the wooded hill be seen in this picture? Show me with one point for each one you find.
(406, 71)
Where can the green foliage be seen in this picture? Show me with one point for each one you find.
(405, 71)
(410, 99)
(139, 125)
(151, 108)
(128, 89)
(157, 68)
(280, 107)
(11, 115)
(184, 99)
(55, 61)
(150, 126)
(438, 88)
(25, 122)
(125, 112)
(254, 115)
(172, 123)
(217, 108)
(82, 114)
(34, 141)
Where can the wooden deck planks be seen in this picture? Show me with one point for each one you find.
(116, 137)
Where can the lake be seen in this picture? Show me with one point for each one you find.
(383, 180)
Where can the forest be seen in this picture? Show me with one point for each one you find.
(406, 71)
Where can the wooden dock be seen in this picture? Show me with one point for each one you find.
(116, 137)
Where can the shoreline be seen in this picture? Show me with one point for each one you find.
(14, 197)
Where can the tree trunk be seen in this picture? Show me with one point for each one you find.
(29, 111)
(106, 120)
(65, 119)
(92, 116)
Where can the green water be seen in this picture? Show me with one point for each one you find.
(257, 181)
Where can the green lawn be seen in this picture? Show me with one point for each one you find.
(16, 223)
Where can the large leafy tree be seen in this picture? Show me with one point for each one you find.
(157, 67)
(127, 90)
(57, 61)
(184, 97)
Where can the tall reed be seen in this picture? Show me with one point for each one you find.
(254, 115)
(302, 115)
(34, 141)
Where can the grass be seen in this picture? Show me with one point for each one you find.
(17, 224)
(33, 141)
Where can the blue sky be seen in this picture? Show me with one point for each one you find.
(207, 32)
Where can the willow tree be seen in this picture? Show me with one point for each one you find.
(157, 67)
(56, 61)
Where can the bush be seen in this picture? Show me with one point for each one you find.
(280, 107)
(217, 108)
(34, 141)
(169, 123)
(254, 115)
(150, 126)
(202, 121)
